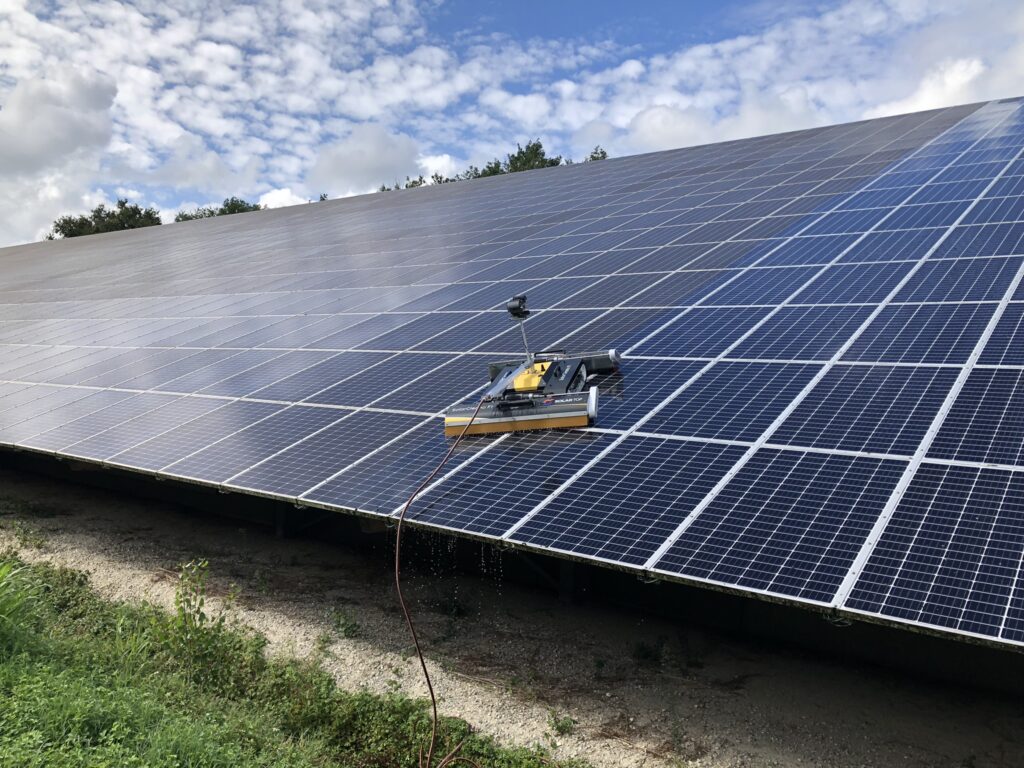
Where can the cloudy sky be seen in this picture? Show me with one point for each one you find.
(184, 102)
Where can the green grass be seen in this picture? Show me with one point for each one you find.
(87, 682)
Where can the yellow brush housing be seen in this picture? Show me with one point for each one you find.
(530, 379)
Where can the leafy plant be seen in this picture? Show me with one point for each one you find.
(562, 725)
(18, 600)
(204, 645)
(345, 625)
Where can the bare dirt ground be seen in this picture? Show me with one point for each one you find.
(510, 661)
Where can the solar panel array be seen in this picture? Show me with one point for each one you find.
(822, 398)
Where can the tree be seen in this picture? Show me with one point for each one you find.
(597, 153)
(525, 158)
(323, 197)
(229, 206)
(530, 157)
(102, 219)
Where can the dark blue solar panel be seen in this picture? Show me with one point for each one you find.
(733, 401)
(801, 250)
(640, 385)
(418, 330)
(488, 495)
(237, 452)
(611, 291)
(157, 371)
(625, 506)
(124, 435)
(319, 376)
(1006, 346)
(961, 280)
(701, 332)
(380, 380)
(385, 481)
(848, 221)
(195, 435)
(363, 332)
(854, 283)
(950, 555)
(803, 333)
(983, 240)
(70, 431)
(882, 409)
(197, 380)
(770, 285)
(996, 210)
(922, 333)
(922, 216)
(678, 290)
(297, 469)
(788, 522)
(986, 422)
(26, 413)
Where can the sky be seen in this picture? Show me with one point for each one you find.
(180, 103)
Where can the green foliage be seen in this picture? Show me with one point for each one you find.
(106, 685)
(345, 625)
(527, 158)
(229, 206)
(18, 599)
(530, 157)
(597, 153)
(26, 535)
(562, 725)
(206, 649)
(124, 215)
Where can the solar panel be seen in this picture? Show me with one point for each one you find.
(821, 399)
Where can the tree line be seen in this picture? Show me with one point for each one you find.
(126, 215)
(528, 158)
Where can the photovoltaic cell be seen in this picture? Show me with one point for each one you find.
(385, 480)
(624, 507)
(854, 283)
(881, 409)
(802, 333)
(788, 522)
(488, 495)
(1006, 345)
(951, 554)
(701, 332)
(922, 333)
(732, 401)
(236, 452)
(298, 468)
(986, 422)
(961, 280)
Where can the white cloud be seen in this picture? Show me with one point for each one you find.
(52, 134)
(295, 97)
(948, 83)
(444, 164)
(369, 156)
(47, 120)
(279, 198)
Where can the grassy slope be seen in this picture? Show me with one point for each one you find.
(86, 682)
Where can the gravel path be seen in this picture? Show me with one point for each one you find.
(642, 692)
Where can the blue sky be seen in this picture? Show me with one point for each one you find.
(184, 102)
